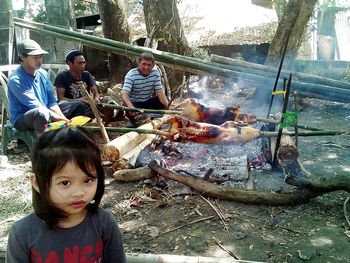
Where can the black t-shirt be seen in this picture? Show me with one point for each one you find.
(72, 91)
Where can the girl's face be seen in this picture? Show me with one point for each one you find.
(71, 190)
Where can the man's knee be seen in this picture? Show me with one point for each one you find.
(34, 119)
(41, 117)
(73, 108)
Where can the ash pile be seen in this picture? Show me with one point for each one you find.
(229, 165)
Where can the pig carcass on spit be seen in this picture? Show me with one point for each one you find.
(184, 130)
(196, 111)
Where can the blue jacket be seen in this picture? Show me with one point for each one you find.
(27, 92)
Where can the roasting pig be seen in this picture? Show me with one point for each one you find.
(184, 130)
(196, 111)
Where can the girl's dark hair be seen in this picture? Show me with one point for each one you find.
(52, 151)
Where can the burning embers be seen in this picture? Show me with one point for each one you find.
(224, 164)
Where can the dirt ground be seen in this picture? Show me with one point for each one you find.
(154, 221)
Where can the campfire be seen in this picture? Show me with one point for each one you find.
(223, 154)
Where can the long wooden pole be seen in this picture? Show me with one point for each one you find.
(285, 105)
(306, 133)
(278, 75)
(259, 69)
(264, 133)
(112, 106)
(95, 111)
(188, 64)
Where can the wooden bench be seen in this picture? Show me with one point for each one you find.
(8, 132)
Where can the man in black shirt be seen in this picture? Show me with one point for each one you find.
(67, 82)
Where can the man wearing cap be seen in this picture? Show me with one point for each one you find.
(143, 88)
(32, 101)
(67, 82)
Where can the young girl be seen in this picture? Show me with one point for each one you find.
(67, 225)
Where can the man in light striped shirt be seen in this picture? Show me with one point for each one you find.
(143, 87)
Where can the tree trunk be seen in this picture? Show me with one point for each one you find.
(291, 26)
(163, 24)
(5, 8)
(279, 6)
(115, 26)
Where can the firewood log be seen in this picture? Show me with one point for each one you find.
(122, 144)
(287, 151)
(132, 175)
(131, 156)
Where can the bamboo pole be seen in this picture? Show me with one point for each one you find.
(269, 71)
(125, 130)
(300, 126)
(296, 128)
(192, 65)
(306, 133)
(111, 106)
(162, 258)
(280, 130)
(166, 258)
(264, 133)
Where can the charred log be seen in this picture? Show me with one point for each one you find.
(134, 175)
(298, 195)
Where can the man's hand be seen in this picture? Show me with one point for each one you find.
(56, 117)
(163, 99)
(133, 113)
(84, 99)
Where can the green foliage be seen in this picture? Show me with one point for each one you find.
(41, 16)
(85, 7)
(20, 13)
(279, 5)
(79, 7)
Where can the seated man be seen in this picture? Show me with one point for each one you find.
(66, 82)
(143, 87)
(32, 101)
